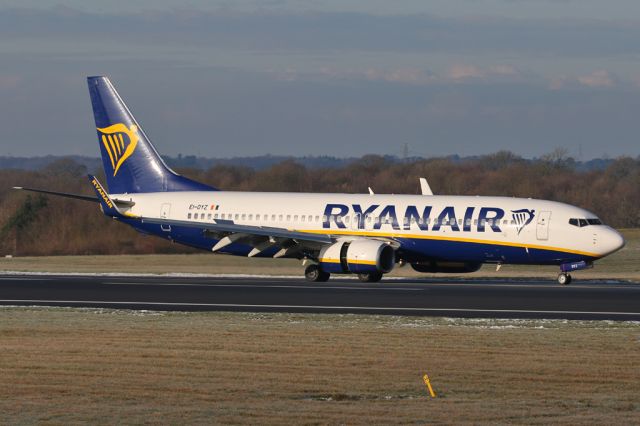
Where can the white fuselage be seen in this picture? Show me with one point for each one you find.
(503, 229)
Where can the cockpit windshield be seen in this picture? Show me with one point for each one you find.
(581, 222)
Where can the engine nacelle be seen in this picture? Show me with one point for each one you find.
(433, 266)
(357, 257)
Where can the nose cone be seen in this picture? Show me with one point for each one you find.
(611, 241)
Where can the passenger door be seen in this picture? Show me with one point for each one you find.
(542, 228)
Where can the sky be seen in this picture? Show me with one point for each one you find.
(336, 77)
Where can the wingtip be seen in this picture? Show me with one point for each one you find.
(18, 187)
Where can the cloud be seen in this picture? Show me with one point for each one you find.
(9, 82)
(464, 72)
(407, 75)
(600, 78)
(500, 72)
(596, 79)
(505, 70)
(280, 30)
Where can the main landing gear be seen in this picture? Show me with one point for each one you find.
(372, 277)
(564, 278)
(314, 274)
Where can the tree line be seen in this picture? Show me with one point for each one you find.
(34, 225)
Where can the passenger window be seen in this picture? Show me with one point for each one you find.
(317, 218)
(288, 218)
(244, 216)
(280, 218)
(250, 217)
(189, 216)
(209, 216)
(302, 218)
(237, 216)
(346, 219)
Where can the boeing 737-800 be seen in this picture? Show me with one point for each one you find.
(363, 234)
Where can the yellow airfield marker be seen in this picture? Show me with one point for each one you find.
(429, 388)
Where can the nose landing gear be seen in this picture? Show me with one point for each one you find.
(564, 278)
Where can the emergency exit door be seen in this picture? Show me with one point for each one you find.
(165, 211)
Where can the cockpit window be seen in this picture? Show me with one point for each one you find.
(579, 222)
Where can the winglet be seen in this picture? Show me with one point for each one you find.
(424, 187)
(106, 203)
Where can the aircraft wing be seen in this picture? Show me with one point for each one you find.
(259, 237)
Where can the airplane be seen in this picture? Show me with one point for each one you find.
(363, 234)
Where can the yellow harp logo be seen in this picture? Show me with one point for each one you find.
(119, 142)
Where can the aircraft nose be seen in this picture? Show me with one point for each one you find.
(612, 241)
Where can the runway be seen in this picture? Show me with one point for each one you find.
(594, 300)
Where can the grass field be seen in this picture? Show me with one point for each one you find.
(65, 366)
(624, 265)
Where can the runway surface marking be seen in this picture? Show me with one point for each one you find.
(259, 286)
(360, 308)
(316, 286)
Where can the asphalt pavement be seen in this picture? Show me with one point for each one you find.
(481, 298)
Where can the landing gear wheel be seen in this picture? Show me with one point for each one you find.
(314, 274)
(372, 277)
(564, 279)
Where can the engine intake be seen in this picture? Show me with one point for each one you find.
(357, 257)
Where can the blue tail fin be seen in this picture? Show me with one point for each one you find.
(131, 163)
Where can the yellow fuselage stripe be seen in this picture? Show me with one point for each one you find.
(453, 239)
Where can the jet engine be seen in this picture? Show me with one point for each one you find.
(433, 266)
(357, 257)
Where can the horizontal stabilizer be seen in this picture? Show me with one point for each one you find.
(60, 194)
(119, 203)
